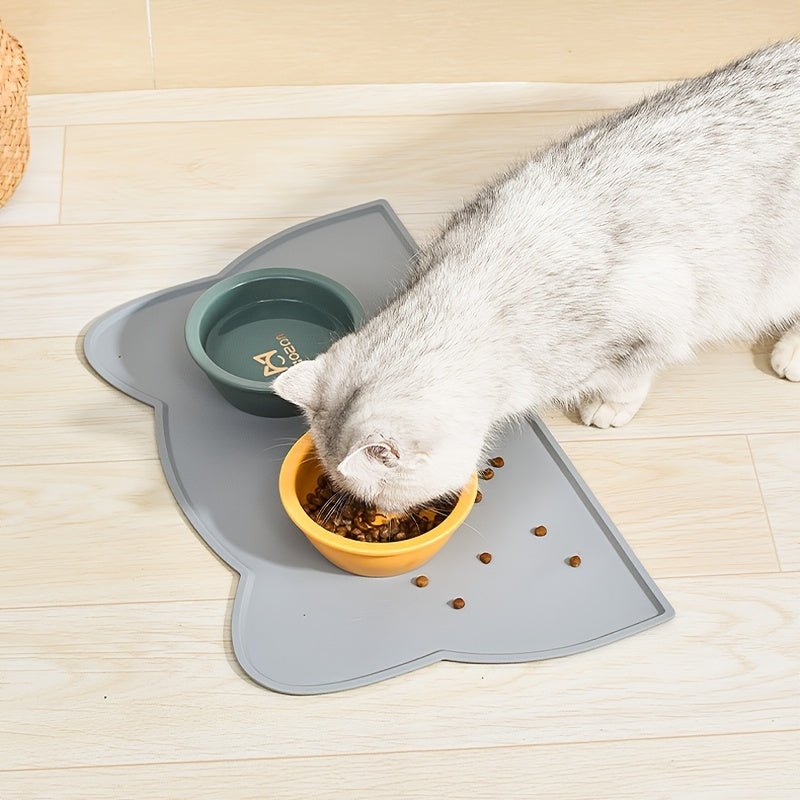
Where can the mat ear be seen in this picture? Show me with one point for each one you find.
(300, 384)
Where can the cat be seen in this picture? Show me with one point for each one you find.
(572, 279)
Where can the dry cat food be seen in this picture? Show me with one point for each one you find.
(574, 561)
(421, 581)
(488, 473)
(540, 530)
(485, 558)
(459, 602)
(352, 519)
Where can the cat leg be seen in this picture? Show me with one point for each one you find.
(618, 405)
(786, 354)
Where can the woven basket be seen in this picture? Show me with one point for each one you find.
(14, 139)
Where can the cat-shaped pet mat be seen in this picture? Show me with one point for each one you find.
(299, 624)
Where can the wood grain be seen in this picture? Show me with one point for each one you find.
(88, 533)
(297, 102)
(82, 45)
(55, 410)
(777, 460)
(250, 42)
(156, 682)
(289, 168)
(37, 199)
(686, 506)
(708, 767)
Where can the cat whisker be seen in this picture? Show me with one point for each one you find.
(287, 445)
(331, 503)
(473, 528)
(339, 506)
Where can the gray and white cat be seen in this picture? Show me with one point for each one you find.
(572, 279)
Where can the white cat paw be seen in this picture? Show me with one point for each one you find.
(786, 357)
(605, 414)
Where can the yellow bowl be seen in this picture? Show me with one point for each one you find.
(298, 478)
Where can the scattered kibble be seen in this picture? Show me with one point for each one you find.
(574, 561)
(478, 496)
(459, 602)
(497, 461)
(421, 581)
(540, 530)
(485, 558)
(487, 474)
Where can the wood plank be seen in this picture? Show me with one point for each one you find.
(686, 506)
(367, 100)
(777, 460)
(734, 767)
(86, 420)
(37, 199)
(290, 168)
(100, 533)
(156, 682)
(117, 262)
(247, 42)
(55, 410)
(89, 532)
(82, 45)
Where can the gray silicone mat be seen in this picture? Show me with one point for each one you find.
(299, 624)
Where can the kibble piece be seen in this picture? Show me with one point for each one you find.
(459, 602)
(487, 474)
(497, 461)
(421, 581)
(574, 561)
(540, 530)
(485, 558)
(478, 496)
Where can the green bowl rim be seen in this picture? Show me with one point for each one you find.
(201, 306)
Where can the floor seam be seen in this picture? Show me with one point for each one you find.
(432, 750)
(763, 502)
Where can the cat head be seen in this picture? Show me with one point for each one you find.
(382, 441)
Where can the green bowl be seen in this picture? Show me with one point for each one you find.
(247, 329)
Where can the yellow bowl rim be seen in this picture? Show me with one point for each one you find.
(291, 503)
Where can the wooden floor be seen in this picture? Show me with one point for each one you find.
(116, 672)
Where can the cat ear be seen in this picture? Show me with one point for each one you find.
(370, 460)
(300, 384)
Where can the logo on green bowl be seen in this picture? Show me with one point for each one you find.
(292, 356)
